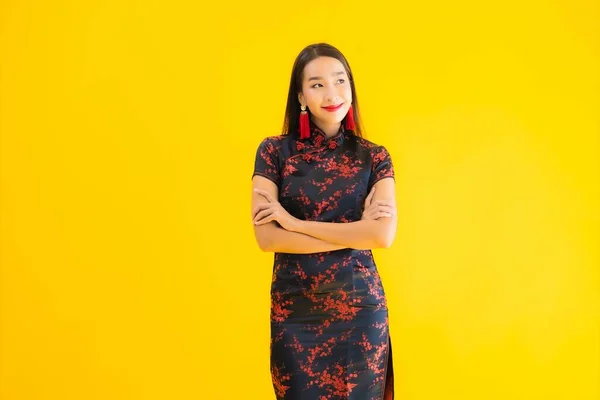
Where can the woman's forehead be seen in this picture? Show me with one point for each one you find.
(323, 67)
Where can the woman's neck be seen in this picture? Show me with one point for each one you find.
(329, 130)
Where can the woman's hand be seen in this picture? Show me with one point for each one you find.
(378, 208)
(273, 211)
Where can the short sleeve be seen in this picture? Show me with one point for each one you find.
(382, 166)
(266, 162)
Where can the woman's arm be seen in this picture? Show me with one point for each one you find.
(284, 241)
(363, 234)
(273, 238)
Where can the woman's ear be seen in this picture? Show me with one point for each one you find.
(301, 98)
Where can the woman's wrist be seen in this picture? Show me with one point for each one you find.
(299, 225)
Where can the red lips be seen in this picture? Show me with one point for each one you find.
(333, 108)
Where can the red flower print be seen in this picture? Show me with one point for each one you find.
(278, 378)
(329, 318)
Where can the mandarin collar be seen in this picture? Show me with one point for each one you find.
(318, 138)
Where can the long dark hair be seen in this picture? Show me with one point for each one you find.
(292, 110)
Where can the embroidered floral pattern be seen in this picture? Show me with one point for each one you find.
(329, 319)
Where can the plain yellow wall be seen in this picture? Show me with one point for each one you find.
(128, 135)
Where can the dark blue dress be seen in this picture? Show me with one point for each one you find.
(329, 318)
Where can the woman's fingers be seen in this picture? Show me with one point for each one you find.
(380, 214)
(383, 207)
(260, 206)
(266, 194)
(377, 211)
(388, 209)
(369, 197)
(378, 203)
(261, 210)
(264, 219)
(383, 202)
(262, 214)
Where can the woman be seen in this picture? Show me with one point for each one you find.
(321, 202)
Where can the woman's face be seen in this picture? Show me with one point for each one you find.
(325, 84)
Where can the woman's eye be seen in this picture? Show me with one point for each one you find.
(341, 79)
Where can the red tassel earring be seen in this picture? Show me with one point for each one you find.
(350, 125)
(304, 124)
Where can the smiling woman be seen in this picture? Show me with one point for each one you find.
(323, 197)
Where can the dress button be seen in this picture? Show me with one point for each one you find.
(332, 145)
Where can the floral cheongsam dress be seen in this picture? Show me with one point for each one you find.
(329, 319)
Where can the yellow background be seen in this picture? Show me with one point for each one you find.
(129, 269)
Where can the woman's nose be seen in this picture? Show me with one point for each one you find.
(333, 97)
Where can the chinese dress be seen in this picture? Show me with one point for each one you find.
(329, 319)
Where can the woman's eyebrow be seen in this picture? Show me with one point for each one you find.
(316, 78)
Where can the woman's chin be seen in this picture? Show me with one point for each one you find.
(332, 119)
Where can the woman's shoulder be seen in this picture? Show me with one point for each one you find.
(274, 144)
(275, 139)
(366, 143)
